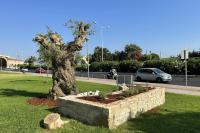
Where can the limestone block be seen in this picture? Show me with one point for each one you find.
(53, 121)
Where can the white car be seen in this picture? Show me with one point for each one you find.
(24, 69)
(152, 74)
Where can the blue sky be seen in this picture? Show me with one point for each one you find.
(165, 26)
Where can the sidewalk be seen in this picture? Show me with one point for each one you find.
(178, 89)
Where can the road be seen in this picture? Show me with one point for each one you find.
(193, 80)
(178, 89)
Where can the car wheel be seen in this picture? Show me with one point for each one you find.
(159, 80)
(138, 79)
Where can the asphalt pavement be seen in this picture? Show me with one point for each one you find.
(193, 80)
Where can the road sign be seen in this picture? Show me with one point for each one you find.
(184, 56)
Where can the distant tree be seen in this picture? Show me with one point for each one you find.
(78, 59)
(194, 54)
(152, 56)
(119, 55)
(44, 57)
(31, 60)
(96, 56)
(133, 52)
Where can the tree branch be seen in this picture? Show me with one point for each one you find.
(41, 39)
(77, 44)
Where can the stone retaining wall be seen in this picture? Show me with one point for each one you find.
(113, 114)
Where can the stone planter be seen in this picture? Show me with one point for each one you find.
(113, 114)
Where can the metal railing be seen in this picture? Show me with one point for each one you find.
(125, 79)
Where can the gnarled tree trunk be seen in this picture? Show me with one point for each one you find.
(62, 59)
(63, 77)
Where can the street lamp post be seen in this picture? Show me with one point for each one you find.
(102, 28)
(101, 43)
(88, 64)
(1, 64)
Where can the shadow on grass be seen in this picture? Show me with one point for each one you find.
(53, 110)
(188, 122)
(22, 81)
(14, 92)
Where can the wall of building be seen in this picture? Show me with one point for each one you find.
(12, 63)
(8, 62)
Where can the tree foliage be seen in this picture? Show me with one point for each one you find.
(194, 54)
(31, 60)
(119, 55)
(152, 56)
(97, 55)
(133, 52)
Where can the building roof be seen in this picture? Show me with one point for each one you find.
(10, 58)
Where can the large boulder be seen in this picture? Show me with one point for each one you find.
(123, 87)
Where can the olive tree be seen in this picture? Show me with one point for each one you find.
(61, 55)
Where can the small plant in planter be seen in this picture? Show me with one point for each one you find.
(141, 89)
(120, 98)
(102, 96)
(129, 92)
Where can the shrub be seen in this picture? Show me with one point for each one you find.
(194, 66)
(103, 66)
(95, 66)
(129, 66)
(81, 68)
(140, 89)
(120, 98)
(129, 92)
(171, 66)
(102, 96)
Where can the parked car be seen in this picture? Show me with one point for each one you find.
(153, 74)
(40, 70)
(24, 70)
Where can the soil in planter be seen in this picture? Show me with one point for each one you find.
(109, 98)
(42, 101)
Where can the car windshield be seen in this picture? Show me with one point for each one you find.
(158, 71)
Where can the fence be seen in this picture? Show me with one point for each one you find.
(125, 79)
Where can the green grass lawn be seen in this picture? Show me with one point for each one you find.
(180, 113)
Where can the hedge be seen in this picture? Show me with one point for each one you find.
(104, 66)
(194, 66)
(171, 66)
(129, 66)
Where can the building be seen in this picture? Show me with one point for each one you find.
(9, 62)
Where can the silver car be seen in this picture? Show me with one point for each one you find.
(153, 74)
